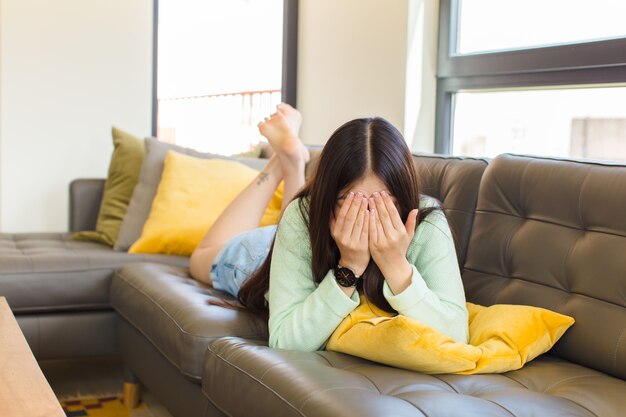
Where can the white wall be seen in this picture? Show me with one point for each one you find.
(421, 80)
(368, 58)
(351, 63)
(69, 69)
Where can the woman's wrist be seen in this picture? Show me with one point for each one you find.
(398, 276)
(355, 267)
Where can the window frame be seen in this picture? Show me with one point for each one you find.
(289, 64)
(568, 65)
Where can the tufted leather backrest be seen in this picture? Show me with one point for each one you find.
(552, 233)
(454, 181)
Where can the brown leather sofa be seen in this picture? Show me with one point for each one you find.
(547, 232)
(166, 324)
(58, 288)
(537, 231)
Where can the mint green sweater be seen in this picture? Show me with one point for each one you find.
(304, 314)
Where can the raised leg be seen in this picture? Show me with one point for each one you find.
(245, 212)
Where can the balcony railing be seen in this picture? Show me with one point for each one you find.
(224, 123)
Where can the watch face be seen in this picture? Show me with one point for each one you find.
(345, 277)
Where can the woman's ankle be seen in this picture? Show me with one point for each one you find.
(292, 166)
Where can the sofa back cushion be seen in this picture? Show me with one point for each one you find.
(85, 200)
(454, 181)
(552, 233)
(148, 183)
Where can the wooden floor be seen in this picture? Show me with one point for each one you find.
(100, 377)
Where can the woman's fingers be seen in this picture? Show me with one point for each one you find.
(411, 223)
(352, 214)
(384, 219)
(360, 219)
(366, 226)
(389, 237)
(377, 231)
(380, 231)
(373, 231)
(392, 210)
(341, 216)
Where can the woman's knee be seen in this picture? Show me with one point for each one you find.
(200, 263)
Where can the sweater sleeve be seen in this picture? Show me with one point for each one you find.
(435, 296)
(303, 314)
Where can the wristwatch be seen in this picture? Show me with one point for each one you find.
(345, 276)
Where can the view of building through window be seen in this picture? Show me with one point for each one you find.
(219, 71)
(585, 123)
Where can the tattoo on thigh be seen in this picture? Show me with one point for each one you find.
(263, 177)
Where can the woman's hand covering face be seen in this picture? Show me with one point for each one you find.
(372, 228)
(350, 230)
(389, 238)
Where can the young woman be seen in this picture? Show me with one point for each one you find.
(358, 225)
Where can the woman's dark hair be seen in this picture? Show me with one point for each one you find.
(355, 149)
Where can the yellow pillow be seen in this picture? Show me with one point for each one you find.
(192, 194)
(502, 338)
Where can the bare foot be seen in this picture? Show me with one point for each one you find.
(278, 131)
(294, 118)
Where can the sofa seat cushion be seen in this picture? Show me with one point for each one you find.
(170, 309)
(291, 383)
(50, 272)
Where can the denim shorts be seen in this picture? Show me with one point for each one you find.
(240, 257)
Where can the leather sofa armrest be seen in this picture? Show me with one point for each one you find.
(85, 199)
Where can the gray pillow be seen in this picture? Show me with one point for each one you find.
(149, 178)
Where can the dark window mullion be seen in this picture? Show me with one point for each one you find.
(290, 52)
(443, 120)
(600, 54)
(574, 78)
(446, 30)
(155, 32)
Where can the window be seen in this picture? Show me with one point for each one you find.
(221, 66)
(532, 77)
(492, 25)
(572, 122)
